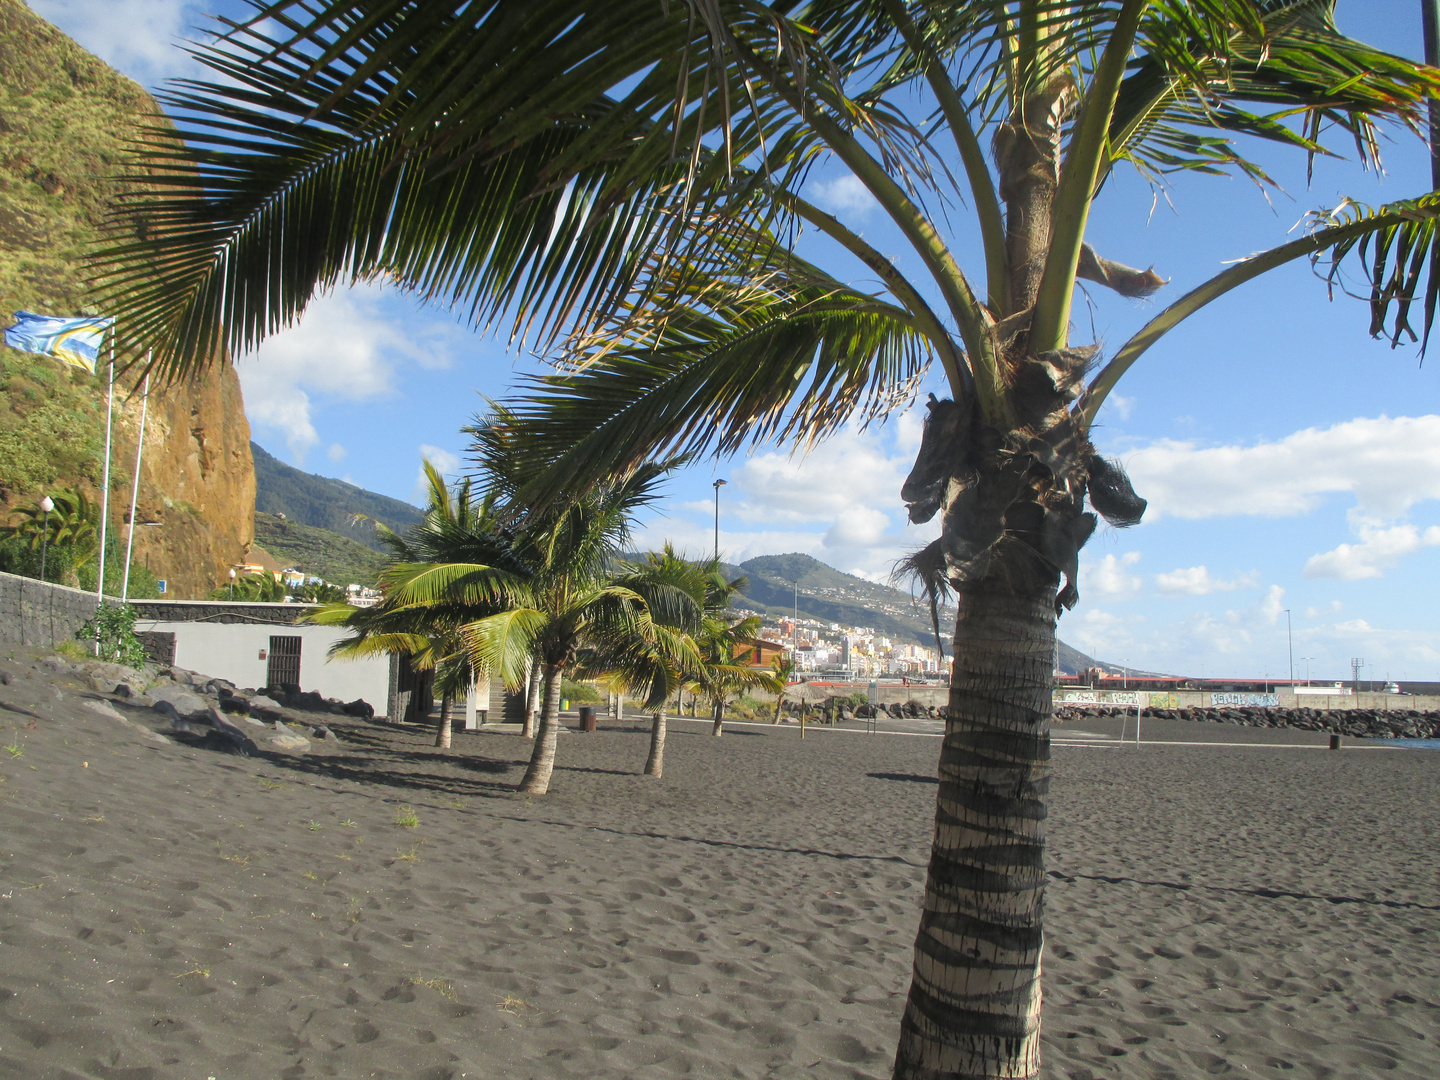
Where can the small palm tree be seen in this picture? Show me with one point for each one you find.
(784, 668)
(455, 526)
(722, 638)
(253, 589)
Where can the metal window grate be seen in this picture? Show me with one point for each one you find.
(284, 665)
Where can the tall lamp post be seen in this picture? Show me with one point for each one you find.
(718, 485)
(47, 504)
(1290, 642)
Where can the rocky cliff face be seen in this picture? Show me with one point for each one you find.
(65, 118)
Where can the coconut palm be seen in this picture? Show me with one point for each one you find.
(623, 179)
(719, 676)
(784, 668)
(455, 526)
(553, 595)
(261, 588)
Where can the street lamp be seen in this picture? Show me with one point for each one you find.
(718, 485)
(1307, 660)
(47, 504)
(1290, 641)
(232, 583)
(1124, 673)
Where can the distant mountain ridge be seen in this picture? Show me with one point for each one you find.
(324, 503)
(827, 595)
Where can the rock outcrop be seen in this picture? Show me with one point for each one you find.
(65, 120)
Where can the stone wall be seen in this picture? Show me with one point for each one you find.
(38, 613)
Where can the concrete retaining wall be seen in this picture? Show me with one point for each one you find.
(40, 613)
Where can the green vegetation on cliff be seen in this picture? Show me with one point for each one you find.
(319, 552)
(65, 118)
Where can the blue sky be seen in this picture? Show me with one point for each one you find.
(1291, 461)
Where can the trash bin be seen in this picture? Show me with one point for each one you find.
(1334, 742)
(587, 717)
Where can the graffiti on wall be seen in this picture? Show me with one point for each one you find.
(1097, 697)
(1164, 701)
(1262, 701)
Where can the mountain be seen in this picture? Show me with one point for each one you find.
(319, 552)
(66, 122)
(829, 595)
(323, 503)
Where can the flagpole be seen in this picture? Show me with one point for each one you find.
(105, 486)
(135, 489)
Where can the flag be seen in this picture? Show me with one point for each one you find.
(74, 341)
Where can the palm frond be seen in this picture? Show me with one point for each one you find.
(788, 367)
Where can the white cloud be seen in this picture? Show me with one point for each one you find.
(1378, 550)
(845, 194)
(862, 527)
(1355, 626)
(1120, 406)
(447, 462)
(1273, 606)
(336, 453)
(1196, 581)
(1110, 578)
(136, 36)
(849, 472)
(344, 347)
(1387, 464)
(1315, 612)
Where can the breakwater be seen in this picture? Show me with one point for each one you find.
(1359, 723)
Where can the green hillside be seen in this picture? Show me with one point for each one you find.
(319, 552)
(323, 503)
(65, 119)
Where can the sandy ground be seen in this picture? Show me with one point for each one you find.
(172, 912)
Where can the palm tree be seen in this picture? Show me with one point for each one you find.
(259, 588)
(545, 589)
(678, 591)
(625, 177)
(455, 526)
(784, 667)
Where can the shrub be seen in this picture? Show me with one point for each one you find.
(578, 692)
(114, 626)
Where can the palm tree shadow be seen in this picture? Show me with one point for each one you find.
(913, 778)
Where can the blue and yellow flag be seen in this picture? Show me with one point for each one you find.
(73, 341)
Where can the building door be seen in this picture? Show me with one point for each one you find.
(284, 663)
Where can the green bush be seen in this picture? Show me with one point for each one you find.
(143, 584)
(114, 626)
(578, 693)
(18, 557)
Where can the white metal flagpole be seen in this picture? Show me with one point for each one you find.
(135, 488)
(105, 484)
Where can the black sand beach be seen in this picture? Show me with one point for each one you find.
(168, 911)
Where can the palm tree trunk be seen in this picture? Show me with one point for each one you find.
(719, 717)
(532, 700)
(442, 733)
(655, 763)
(974, 1005)
(542, 758)
(779, 704)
